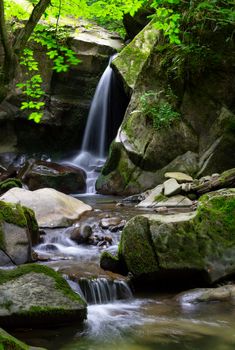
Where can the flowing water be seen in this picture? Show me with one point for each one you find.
(105, 116)
(118, 319)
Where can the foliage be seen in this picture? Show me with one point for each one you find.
(160, 111)
(62, 58)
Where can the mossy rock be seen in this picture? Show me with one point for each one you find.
(179, 245)
(8, 342)
(18, 231)
(51, 301)
(8, 184)
(136, 248)
(113, 263)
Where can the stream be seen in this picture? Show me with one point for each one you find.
(119, 318)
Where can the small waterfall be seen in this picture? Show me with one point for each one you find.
(106, 113)
(102, 290)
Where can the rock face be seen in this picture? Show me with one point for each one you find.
(182, 247)
(64, 178)
(18, 231)
(52, 208)
(68, 95)
(201, 141)
(34, 295)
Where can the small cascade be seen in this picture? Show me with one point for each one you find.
(103, 291)
(105, 116)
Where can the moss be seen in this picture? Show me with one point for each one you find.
(136, 247)
(8, 342)
(61, 284)
(13, 214)
(32, 224)
(160, 198)
(9, 183)
(226, 175)
(113, 159)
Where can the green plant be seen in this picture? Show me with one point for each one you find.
(160, 111)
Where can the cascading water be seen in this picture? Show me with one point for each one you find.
(106, 112)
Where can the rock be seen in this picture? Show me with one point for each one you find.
(64, 178)
(180, 177)
(8, 184)
(52, 208)
(134, 56)
(223, 293)
(18, 231)
(107, 223)
(111, 262)
(81, 234)
(171, 187)
(174, 201)
(183, 248)
(35, 295)
(7, 341)
(151, 198)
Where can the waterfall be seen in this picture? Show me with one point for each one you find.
(105, 116)
(102, 290)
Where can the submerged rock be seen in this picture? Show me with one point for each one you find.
(196, 247)
(52, 208)
(35, 295)
(223, 293)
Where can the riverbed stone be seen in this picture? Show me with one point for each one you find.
(52, 208)
(171, 187)
(222, 293)
(151, 197)
(18, 231)
(180, 177)
(35, 295)
(172, 202)
(176, 247)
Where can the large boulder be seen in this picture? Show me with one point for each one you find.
(18, 231)
(52, 208)
(205, 126)
(64, 178)
(35, 295)
(195, 247)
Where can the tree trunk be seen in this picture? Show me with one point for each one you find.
(25, 33)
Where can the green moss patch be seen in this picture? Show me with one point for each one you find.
(61, 284)
(8, 342)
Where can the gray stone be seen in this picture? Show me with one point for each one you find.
(175, 201)
(151, 198)
(52, 208)
(180, 177)
(34, 295)
(171, 187)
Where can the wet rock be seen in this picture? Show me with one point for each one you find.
(174, 201)
(7, 341)
(185, 247)
(18, 231)
(81, 234)
(9, 183)
(110, 261)
(223, 293)
(52, 208)
(106, 223)
(67, 179)
(171, 187)
(35, 295)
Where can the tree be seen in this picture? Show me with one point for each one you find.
(12, 49)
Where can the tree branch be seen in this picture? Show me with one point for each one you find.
(25, 33)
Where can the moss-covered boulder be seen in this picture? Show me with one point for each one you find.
(35, 295)
(52, 208)
(18, 231)
(8, 342)
(199, 245)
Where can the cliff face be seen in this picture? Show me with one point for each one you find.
(68, 96)
(197, 134)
